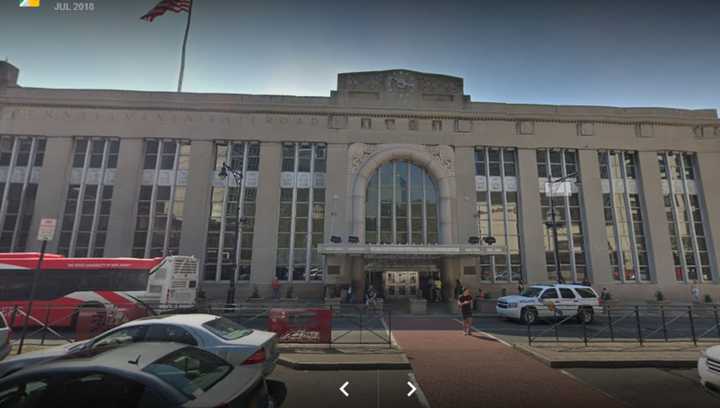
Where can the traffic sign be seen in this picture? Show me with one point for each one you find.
(46, 232)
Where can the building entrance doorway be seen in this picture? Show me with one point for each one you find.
(401, 284)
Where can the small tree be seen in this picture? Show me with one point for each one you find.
(708, 298)
(659, 296)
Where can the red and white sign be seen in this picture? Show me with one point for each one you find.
(46, 232)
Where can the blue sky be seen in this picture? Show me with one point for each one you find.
(584, 52)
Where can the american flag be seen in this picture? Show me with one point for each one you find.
(165, 5)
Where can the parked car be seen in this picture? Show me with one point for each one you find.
(545, 301)
(709, 369)
(137, 375)
(219, 335)
(5, 332)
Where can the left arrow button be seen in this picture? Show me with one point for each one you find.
(342, 389)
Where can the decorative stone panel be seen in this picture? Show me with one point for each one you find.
(586, 129)
(337, 122)
(525, 127)
(463, 126)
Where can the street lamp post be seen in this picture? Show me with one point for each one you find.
(238, 177)
(553, 222)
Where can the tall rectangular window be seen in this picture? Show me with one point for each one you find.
(497, 211)
(162, 198)
(623, 216)
(685, 215)
(557, 166)
(89, 197)
(302, 212)
(228, 248)
(20, 162)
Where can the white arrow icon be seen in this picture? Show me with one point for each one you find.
(413, 388)
(342, 389)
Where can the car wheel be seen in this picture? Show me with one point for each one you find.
(585, 316)
(528, 316)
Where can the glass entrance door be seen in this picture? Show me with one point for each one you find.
(401, 284)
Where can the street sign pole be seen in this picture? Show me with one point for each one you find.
(45, 234)
(28, 312)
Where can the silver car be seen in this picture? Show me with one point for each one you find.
(4, 337)
(229, 340)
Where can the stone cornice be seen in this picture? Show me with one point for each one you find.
(325, 106)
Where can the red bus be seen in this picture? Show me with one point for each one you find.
(122, 286)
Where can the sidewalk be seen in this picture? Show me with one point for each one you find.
(320, 357)
(615, 355)
(454, 370)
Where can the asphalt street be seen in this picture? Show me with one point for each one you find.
(648, 387)
(366, 389)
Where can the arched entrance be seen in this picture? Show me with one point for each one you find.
(403, 197)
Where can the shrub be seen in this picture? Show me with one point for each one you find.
(289, 293)
(487, 295)
(708, 299)
(503, 292)
(255, 293)
(659, 296)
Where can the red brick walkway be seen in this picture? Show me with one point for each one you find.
(456, 371)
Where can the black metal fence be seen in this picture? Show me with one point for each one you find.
(344, 324)
(632, 323)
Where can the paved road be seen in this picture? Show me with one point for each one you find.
(367, 389)
(472, 371)
(649, 387)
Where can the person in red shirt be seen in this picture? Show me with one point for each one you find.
(465, 304)
(276, 288)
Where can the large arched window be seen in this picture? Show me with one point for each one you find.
(401, 206)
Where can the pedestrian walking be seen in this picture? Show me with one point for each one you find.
(465, 305)
(438, 289)
(695, 292)
(348, 294)
(521, 286)
(275, 288)
(458, 288)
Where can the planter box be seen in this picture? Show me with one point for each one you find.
(418, 306)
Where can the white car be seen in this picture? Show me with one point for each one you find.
(547, 301)
(709, 369)
(229, 340)
(5, 345)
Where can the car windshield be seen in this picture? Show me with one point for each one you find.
(226, 328)
(532, 291)
(190, 370)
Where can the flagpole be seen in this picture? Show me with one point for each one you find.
(182, 58)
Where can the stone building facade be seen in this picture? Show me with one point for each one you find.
(391, 180)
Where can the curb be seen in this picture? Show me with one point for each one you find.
(336, 365)
(606, 363)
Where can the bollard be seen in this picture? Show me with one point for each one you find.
(610, 324)
(529, 334)
(717, 321)
(692, 325)
(555, 324)
(637, 322)
(664, 327)
(585, 332)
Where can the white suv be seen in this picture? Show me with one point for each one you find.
(549, 301)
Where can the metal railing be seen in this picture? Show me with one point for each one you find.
(632, 323)
(348, 324)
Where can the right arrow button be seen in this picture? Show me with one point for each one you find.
(413, 388)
